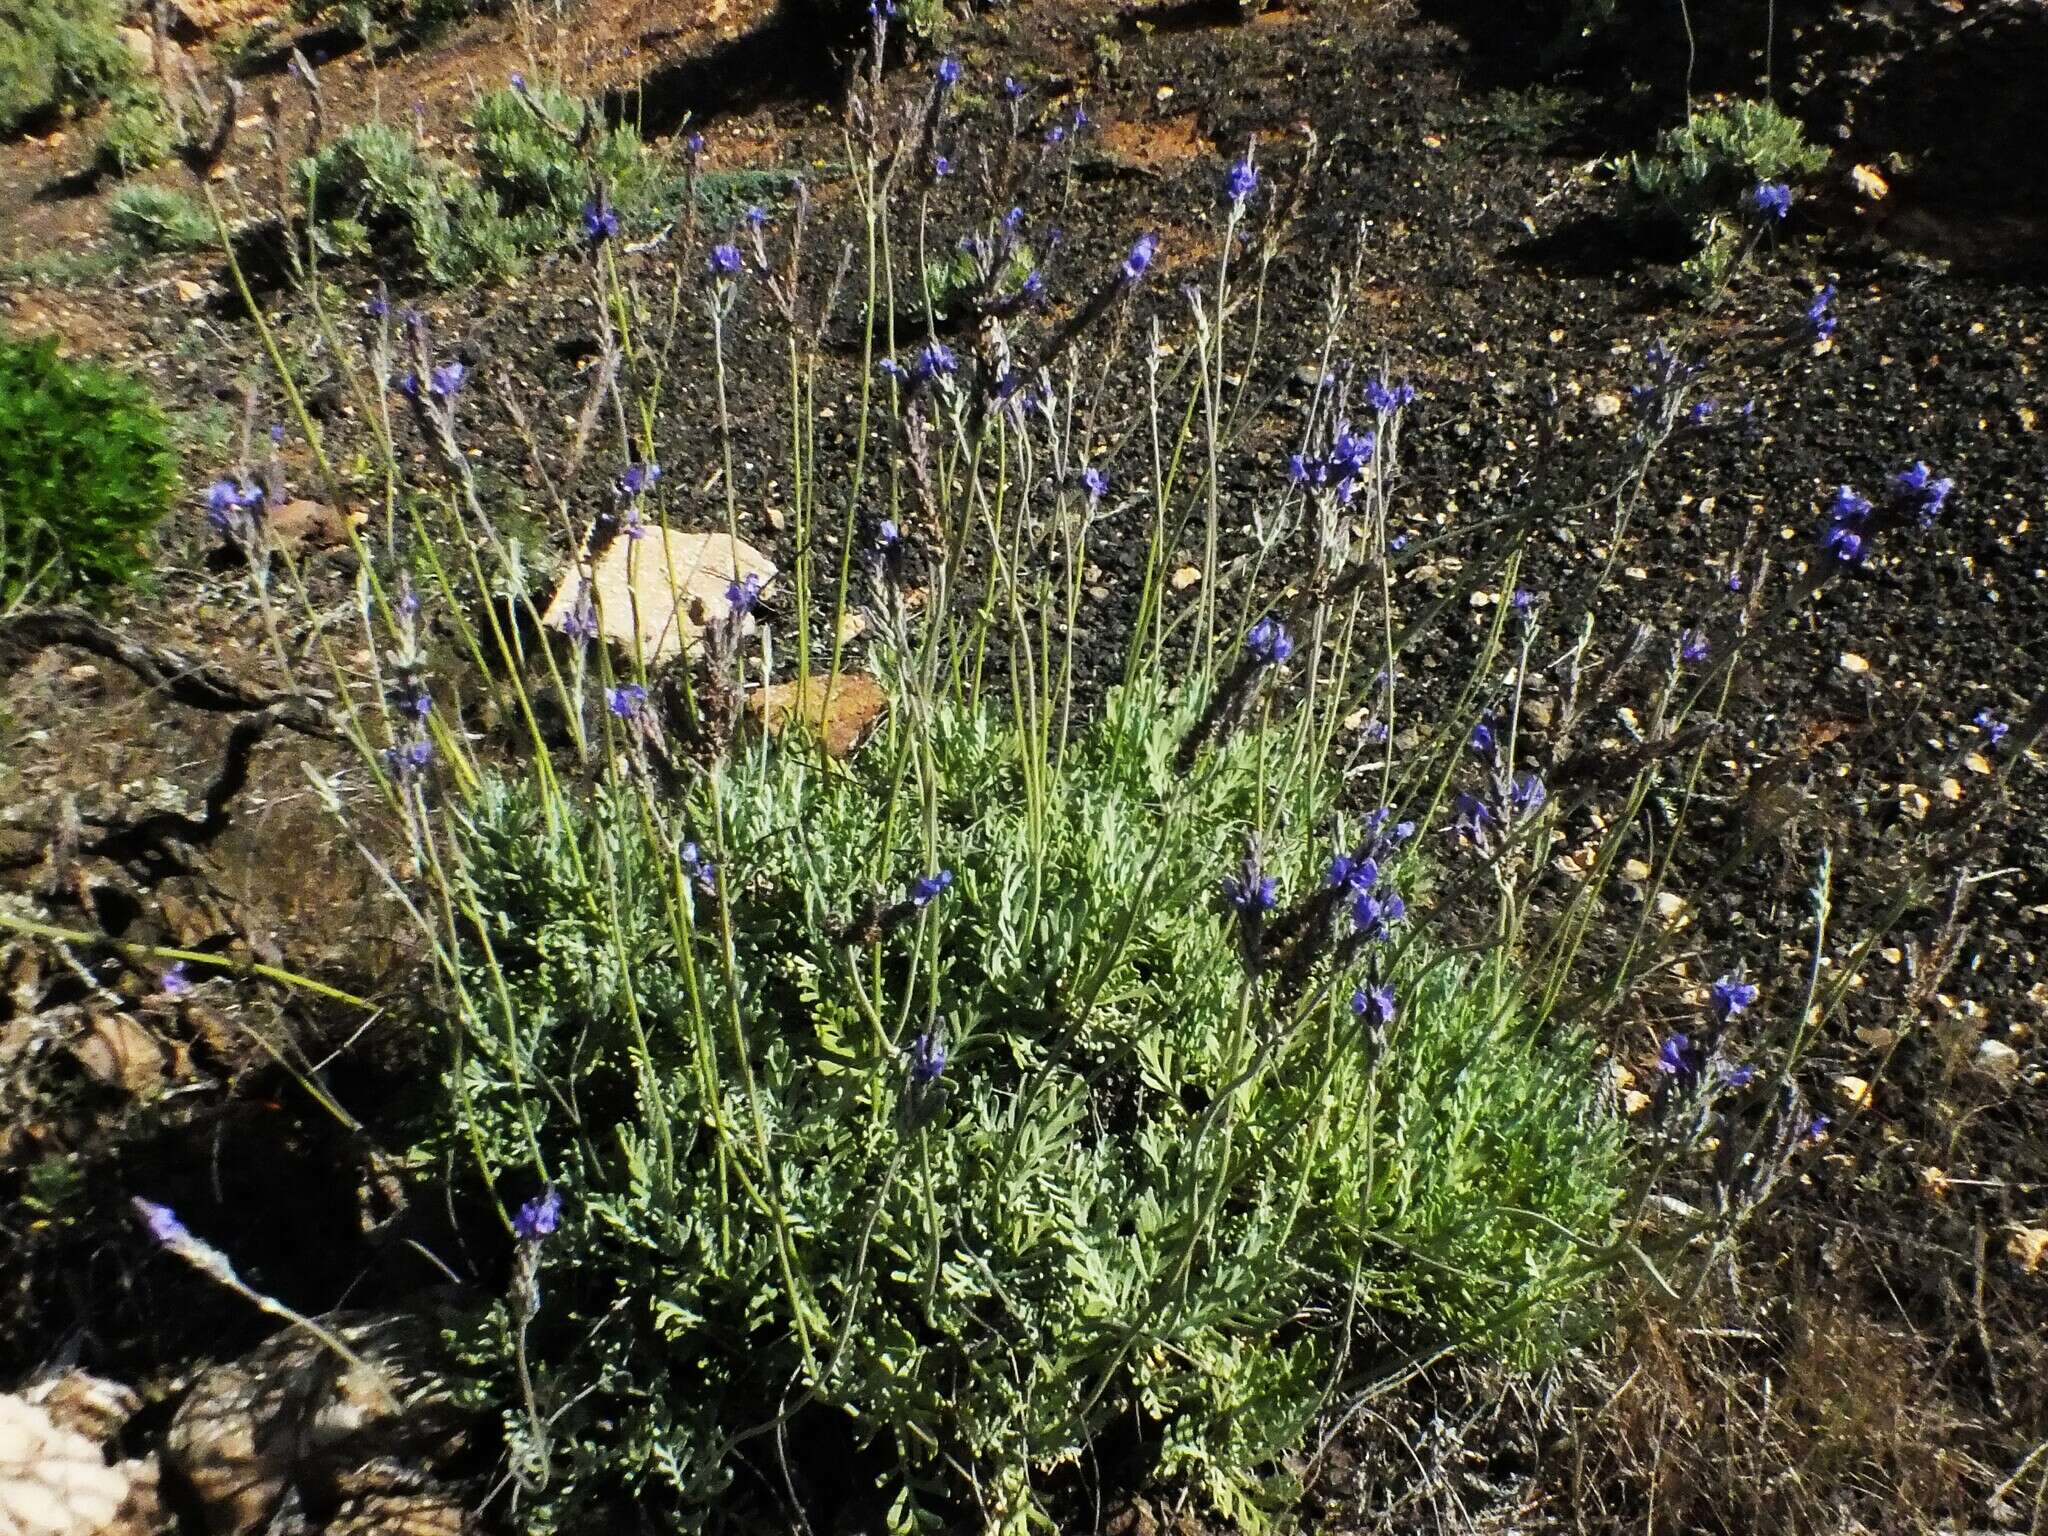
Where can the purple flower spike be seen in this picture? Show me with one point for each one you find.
(538, 1217)
(626, 700)
(948, 72)
(926, 889)
(1374, 1004)
(1240, 181)
(1731, 995)
(1269, 643)
(927, 1060)
(1682, 1058)
(1471, 819)
(175, 982)
(162, 1222)
(743, 596)
(1139, 262)
(1095, 482)
(600, 223)
(724, 260)
(1772, 199)
(1693, 646)
(1993, 728)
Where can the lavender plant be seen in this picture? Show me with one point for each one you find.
(1077, 1066)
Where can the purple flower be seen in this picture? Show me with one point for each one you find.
(1990, 725)
(1682, 1058)
(580, 623)
(1526, 795)
(941, 167)
(1240, 181)
(1375, 912)
(926, 889)
(407, 760)
(1484, 742)
(1920, 491)
(888, 535)
(162, 1222)
(1375, 1004)
(1772, 199)
(935, 358)
(637, 479)
(228, 504)
(1820, 313)
(1140, 260)
(1523, 600)
(1360, 873)
(698, 868)
(1252, 890)
(1471, 819)
(1269, 643)
(724, 260)
(1693, 645)
(626, 700)
(1012, 89)
(174, 981)
(948, 72)
(1055, 134)
(1702, 411)
(538, 1217)
(1014, 220)
(600, 223)
(756, 217)
(1738, 1077)
(519, 81)
(1095, 482)
(927, 1060)
(693, 146)
(1815, 1128)
(1847, 515)
(1731, 995)
(743, 596)
(1388, 398)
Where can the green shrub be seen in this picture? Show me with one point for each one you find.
(1143, 1192)
(948, 280)
(161, 219)
(723, 197)
(442, 223)
(58, 54)
(532, 181)
(86, 471)
(1701, 172)
(137, 134)
(527, 152)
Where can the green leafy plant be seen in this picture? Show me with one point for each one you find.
(86, 471)
(1144, 1188)
(439, 221)
(57, 55)
(1701, 171)
(950, 279)
(160, 219)
(137, 134)
(548, 150)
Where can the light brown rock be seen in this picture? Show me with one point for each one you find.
(53, 1480)
(841, 712)
(116, 1051)
(666, 587)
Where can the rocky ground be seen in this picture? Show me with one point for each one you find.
(1871, 1359)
